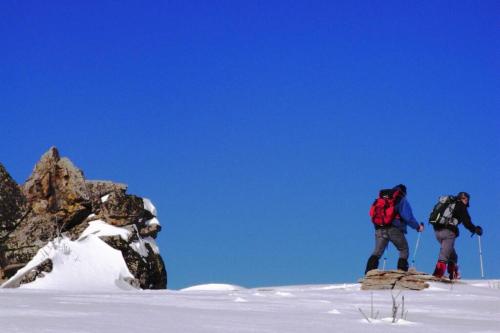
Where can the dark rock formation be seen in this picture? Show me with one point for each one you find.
(57, 200)
(396, 279)
(12, 202)
(121, 209)
(149, 273)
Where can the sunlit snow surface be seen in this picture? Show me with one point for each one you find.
(87, 264)
(471, 306)
(213, 287)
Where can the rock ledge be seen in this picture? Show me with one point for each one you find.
(396, 279)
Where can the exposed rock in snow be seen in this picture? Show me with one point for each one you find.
(85, 264)
(396, 279)
(57, 202)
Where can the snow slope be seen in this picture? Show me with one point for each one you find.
(87, 263)
(470, 306)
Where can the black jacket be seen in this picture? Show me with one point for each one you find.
(462, 215)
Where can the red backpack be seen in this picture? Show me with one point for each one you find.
(383, 210)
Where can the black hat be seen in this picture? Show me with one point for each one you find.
(402, 187)
(461, 195)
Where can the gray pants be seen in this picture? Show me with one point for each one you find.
(395, 236)
(446, 239)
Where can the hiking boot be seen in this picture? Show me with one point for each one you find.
(453, 272)
(371, 264)
(403, 264)
(440, 269)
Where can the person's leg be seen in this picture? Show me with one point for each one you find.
(447, 250)
(453, 255)
(453, 272)
(381, 241)
(446, 238)
(397, 237)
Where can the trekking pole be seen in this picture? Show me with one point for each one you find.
(416, 248)
(480, 256)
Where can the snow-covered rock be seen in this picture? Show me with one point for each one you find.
(57, 202)
(85, 264)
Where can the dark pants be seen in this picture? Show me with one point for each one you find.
(446, 239)
(382, 237)
(393, 235)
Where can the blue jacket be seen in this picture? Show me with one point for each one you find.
(407, 218)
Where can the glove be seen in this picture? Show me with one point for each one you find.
(479, 230)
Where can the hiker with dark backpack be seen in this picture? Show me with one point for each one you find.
(391, 213)
(447, 214)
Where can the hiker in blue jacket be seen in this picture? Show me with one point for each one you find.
(395, 233)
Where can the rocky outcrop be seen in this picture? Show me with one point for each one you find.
(57, 200)
(12, 202)
(396, 279)
(147, 268)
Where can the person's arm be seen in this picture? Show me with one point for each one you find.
(407, 214)
(462, 215)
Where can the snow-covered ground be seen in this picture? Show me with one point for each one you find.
(88, 291)
(471, 306)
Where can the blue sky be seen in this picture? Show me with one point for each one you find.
(263, 130)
